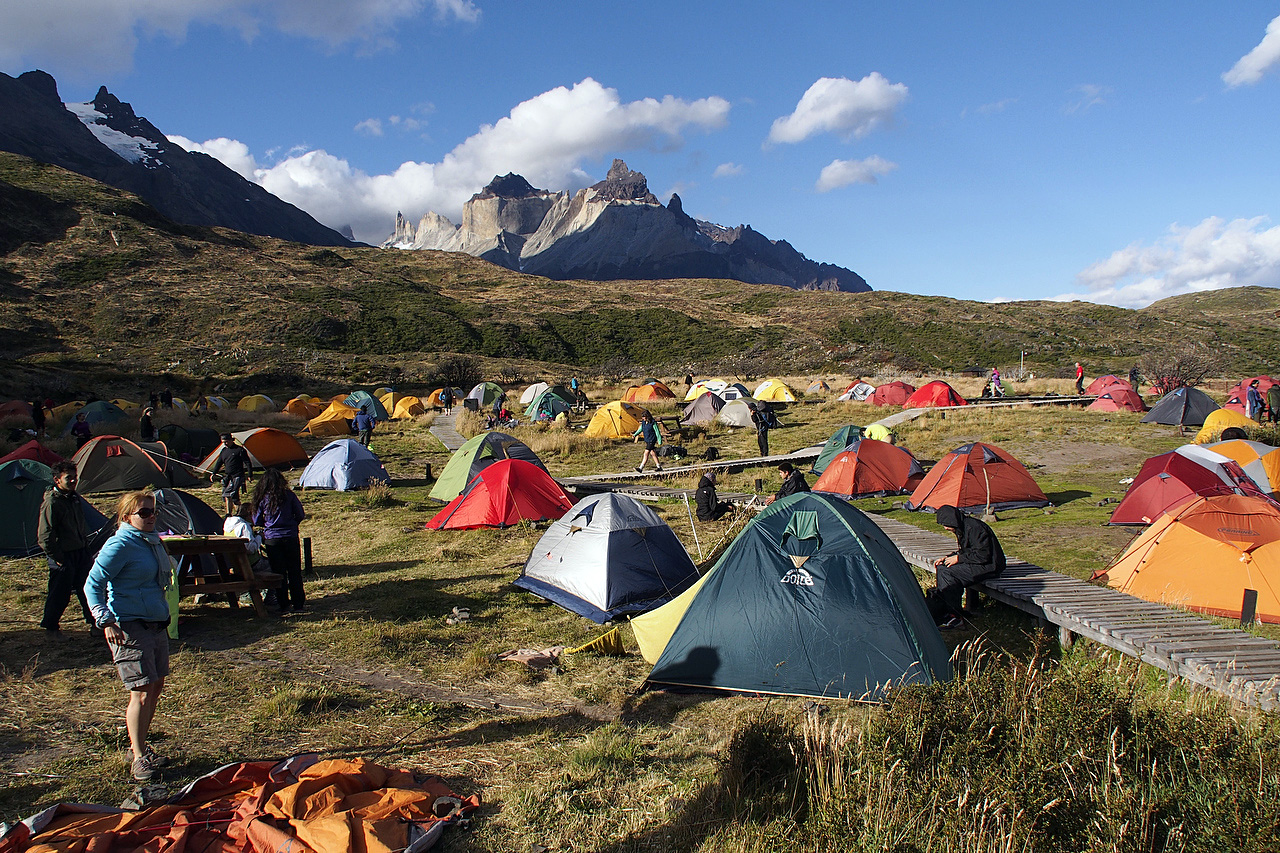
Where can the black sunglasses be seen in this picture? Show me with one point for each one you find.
(144, 512)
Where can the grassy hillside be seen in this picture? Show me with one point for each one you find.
(94, 281)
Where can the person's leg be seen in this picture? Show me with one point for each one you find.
(57, 595)
(276, 556)
(297, 595)
(80, 566)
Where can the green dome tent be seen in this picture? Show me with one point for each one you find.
(473, 457)
(100, 415)
(811, 599)
(357, 399)
(23, 483)
(485, 393)
(548, 404)
(837, 444)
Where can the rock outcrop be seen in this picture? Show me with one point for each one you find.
(614, 229)
(105, 140)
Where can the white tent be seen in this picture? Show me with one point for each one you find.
(531, 393)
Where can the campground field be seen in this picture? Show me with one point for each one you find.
(1030, 749)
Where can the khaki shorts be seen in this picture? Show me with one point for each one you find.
(143, 657)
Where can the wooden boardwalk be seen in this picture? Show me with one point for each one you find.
(1229, 661)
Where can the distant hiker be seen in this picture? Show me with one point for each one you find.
(154, 400)
(1134, 377)
(63, 537)
(688, 381)
(38, 416)
(446, 399)
(648, 432)
(1273, 403)
(147, 429)
(277, 510)
(81, 430)
(236, 466)
(761, 421)
(997, 389)
(793, 482)
(978, 558)
(1253, 405)
(200, 407)
(126, 593)
(710, 507)
(1079, 378)
(498, 402)
(166, 398)
(365, 422)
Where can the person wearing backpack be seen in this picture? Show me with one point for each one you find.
(648, 432)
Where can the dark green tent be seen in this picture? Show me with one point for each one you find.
(479, 453)
(359, 399)
(23, 483)
(839, 442)
(811, 599)
(196, 442)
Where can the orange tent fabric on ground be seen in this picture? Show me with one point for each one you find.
(870, 468)
(974, 475)
(935, 393)
(892, 393)
(1204, 554)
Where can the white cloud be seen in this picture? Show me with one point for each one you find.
(841, 106)
(841, 173)
(989, 109)
(728, 170)
(1250, 68)
(1209, 256)
(231, 152)
(372, 126)
(546, 139)
(1086, 96)
(92, 37)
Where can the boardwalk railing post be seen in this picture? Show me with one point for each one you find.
(1248, 608)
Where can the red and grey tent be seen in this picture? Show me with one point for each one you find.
(935, 393)
(892, 393)
(34, 451)
(870, 468)
(1103, 384)
(503, 494)
(1236, 396)
(1172, 478)
(975, 476)
(1118, 399)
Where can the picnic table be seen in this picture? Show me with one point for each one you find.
(235, 574)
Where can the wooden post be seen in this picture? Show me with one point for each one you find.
(307, 568)
(1248, 608)
(759, 485)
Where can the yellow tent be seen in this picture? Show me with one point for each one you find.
(179, 403)
(66, 410)
(381, 392)
(715, 386)
(615, 420)
(406, 407)
(774, 391)
(654, 629)
(219, 402)
(126, 404)
(1218, 420)
(257, 403)
(332, 421)
(1204, 554)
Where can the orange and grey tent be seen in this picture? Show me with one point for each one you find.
(974, 477)
(109, 463)
(1260, 461)
(334, 420)
(268, 448)
(1118, 399)
(870, 468)
(503, 494)
(935, 393)
(818, 387)
(1169, 479)
(1104, 383)
(432, 400)
(648, 393)
(892, 393)
(1204, 554)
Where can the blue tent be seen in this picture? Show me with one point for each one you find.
(608, 555)
(839, 442)
(360, 399)
(344, 465)
(811, 599)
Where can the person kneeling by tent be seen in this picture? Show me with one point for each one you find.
(793, 482)
(979, 557)
(710, 507)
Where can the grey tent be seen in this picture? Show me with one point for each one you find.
(609, 555)
(737, 413)
(1181, 407)
(703, 409)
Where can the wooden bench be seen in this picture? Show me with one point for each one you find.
(235, 573)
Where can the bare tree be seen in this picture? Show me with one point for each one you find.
(458, 371)
(1184, 364)
(509, 374)
(616, 369)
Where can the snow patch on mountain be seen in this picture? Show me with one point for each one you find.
(133, 149)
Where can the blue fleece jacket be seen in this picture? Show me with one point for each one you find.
(127, 580)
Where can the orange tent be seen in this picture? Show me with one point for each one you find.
(975, 476)
(1204, 554)
(647, 393)
(870, 468)
(334, 420)
(1236, 396)
(302, 408)
(15, 409)
(408, 407)
(935, 393)
(268, 448)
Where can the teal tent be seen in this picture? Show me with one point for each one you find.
(101, 415)
(811, 599)
(359, 399)
(839, 442)
(547, 405)
(23, 483)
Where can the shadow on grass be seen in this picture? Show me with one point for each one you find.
(32, 651)
(1067, 496)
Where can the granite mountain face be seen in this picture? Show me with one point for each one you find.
(105, 140)
(615, 229)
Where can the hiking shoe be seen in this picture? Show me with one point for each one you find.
(145, 767)
(951, 623)
(639, 470)
(659, 467)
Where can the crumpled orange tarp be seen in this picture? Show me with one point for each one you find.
(302, 805)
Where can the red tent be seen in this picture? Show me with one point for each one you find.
(1117, 399)
(935, 393)
(1236, 396)
(504, 494)
(973, 476)
(32, 450)
(892, 393)
(870, 468)
(1104, 383)
(1171, 478)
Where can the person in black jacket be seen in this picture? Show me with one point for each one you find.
(761, 421)
(236, 466)
(710, 507)
(793, 482)
(147, 427)
(978, 558)
(63, 536)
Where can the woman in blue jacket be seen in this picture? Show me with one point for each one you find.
(126, 594)
(277, 510)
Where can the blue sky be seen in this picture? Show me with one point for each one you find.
(1116, 152)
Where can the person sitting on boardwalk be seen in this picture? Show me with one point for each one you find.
(710, 507)
(978, 558)
(793, 482)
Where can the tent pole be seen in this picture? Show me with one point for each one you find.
(693, 526)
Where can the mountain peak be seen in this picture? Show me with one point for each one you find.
(622, 184)
(509, 185)
(42, 82)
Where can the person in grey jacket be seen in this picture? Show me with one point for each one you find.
(64, 539)
(126, 590)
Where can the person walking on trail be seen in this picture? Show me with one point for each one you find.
(146, 427)
(277, 510)
(126, 594)
(710, 507)
(978, 558)
(64, 539)
(236, 467)
(1253, 404)
(761, 421)
(1134, 377)
(365, 422)
(793, 482)
(81, 430)
(997, 389)
(649, 433)
(1079, 379)
(446, 399)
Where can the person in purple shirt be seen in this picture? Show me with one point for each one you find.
(81, 430)
(277, 510)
